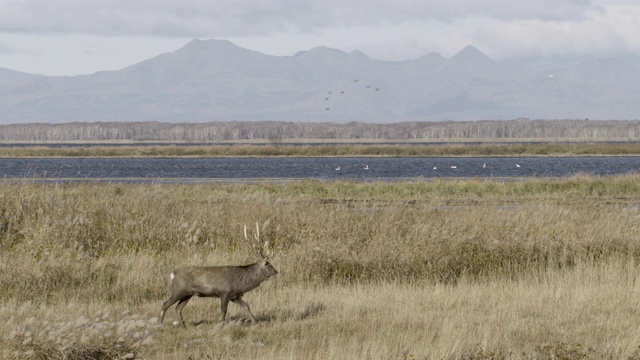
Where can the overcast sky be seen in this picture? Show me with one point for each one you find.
(72, 37)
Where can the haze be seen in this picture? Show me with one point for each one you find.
(70, 37)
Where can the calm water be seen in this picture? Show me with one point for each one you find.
(189, 170)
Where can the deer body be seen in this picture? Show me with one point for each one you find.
(228, 283)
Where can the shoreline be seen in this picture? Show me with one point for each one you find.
(481, 150)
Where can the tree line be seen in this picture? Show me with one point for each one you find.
(281, 131)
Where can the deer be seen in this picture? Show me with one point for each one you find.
(229, 283)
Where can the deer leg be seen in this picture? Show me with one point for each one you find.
(183, 302)
(224, 302)
(167, 304)
(241, 302)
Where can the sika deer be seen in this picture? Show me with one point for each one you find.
(228, 283)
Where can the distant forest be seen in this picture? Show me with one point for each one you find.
(281, 132)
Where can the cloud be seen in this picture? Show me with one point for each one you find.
(6, 49)
(600, 32)
(203, 18)
(125, 31)
(624, 19)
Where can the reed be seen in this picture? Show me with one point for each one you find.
(451, 269)
(346, 149)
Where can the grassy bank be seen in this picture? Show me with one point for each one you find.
(450, 269)
(435, 149)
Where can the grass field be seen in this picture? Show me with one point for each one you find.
(310, 149)
(451, 269)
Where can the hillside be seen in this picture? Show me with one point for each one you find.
(215, 80)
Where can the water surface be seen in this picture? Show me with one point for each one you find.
(365, 169)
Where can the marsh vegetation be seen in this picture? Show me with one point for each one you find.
(336, 149)
(450, 269)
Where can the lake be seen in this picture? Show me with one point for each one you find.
(354, 168)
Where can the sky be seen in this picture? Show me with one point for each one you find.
(77, 37)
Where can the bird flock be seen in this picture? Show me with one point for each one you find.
(331, 94)
(484, 165)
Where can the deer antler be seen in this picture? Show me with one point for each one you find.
(262, 249)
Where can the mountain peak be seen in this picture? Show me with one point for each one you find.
(471, 54)
(322, 51)
(432, 57)
(210, 45)
(359, 54)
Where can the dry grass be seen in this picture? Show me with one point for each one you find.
(545, 148)
(454, 269)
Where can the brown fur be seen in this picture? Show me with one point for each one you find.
(228, 283)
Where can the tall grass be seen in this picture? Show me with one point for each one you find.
(345, 250)
(429, 149)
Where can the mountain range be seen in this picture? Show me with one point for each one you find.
(215, 80)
